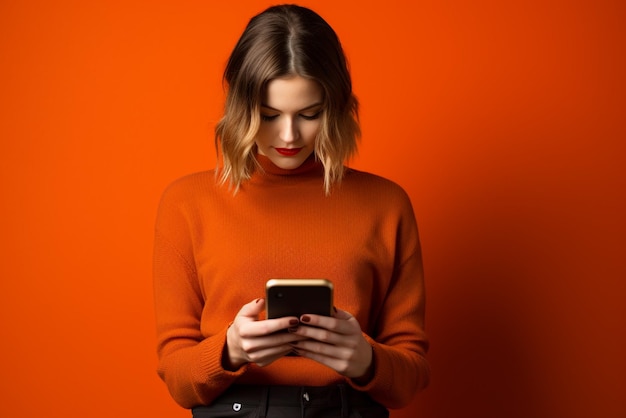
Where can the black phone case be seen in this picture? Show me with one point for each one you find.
(290, 300)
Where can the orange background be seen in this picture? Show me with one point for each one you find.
(504, 120)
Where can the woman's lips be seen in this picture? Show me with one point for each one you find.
(288, 152)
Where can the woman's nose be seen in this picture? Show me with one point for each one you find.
(289, 131)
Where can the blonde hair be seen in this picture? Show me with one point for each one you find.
(280, 42)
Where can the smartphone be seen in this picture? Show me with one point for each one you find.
(296, 297)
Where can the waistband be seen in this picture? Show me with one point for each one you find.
(310, 396)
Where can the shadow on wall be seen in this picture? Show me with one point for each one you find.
(483, 309)
(479, 338)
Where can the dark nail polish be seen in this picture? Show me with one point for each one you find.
(293, 322)
(305, 318)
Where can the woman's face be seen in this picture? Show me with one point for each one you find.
(290, 120)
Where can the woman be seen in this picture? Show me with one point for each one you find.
(282, 205)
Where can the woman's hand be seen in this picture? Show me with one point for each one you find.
(336, 342)
(249, 340)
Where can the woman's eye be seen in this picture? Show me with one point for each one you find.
(311, 117)
(268, 118)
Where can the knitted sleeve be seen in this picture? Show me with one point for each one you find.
(400, 343)
(189, 363)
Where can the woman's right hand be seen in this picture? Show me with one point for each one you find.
(249, 340)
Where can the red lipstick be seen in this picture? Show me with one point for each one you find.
(288, 152)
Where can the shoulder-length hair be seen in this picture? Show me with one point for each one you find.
(280, 42)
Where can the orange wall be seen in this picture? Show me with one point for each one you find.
(504, 120)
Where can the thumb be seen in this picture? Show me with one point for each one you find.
(252, 309)
(340, 314)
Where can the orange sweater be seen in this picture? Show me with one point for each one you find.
(214, 251)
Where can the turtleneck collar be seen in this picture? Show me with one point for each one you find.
(310, 166)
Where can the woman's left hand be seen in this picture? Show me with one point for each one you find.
(336, 342)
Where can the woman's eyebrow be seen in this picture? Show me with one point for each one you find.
(301, 110)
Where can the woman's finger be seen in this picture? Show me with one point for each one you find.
(342, 323)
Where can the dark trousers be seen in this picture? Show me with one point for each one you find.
(256, 401)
